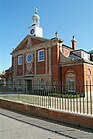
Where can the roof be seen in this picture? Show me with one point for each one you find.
(75, 56)
(91, 52)
(66, 46)
(82, 50)
(10, 69)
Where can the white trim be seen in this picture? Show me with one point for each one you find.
(39, 60)
(70, 81)
(27, 58)
(20, 63)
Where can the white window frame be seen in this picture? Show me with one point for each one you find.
(39, 59)
(20, 63)
(70, 83)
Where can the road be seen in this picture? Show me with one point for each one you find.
(17, 126)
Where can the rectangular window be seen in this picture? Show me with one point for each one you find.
(41, 55)
(20, 60)
(71, 84)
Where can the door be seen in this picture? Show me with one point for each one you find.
(29, 86)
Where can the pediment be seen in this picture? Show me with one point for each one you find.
(28, 41)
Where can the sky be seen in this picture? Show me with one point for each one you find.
(67, 17)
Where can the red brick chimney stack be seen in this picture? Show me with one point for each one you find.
(73, 43)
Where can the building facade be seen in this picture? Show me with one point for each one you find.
(2, 79)
(8, 74)
(41, 61)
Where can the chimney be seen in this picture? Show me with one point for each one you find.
(73, 43)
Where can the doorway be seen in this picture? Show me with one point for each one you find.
(29, 85)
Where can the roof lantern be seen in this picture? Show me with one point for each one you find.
(36, 17)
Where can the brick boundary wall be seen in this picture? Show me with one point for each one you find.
(62, 116)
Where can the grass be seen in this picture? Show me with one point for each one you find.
(5, 89)
(42, 93)
(67, 95)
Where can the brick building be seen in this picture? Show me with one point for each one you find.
(2, 79)
(8, 74)
(40, 61)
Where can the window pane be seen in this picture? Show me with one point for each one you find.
(20, 60)
(70, 83)
(41, 55)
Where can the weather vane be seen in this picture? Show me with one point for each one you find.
(36, 10)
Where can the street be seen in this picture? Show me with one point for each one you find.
(17, 126)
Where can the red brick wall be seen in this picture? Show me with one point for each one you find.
(47, 61)
(22, 46)
(24, 63)
(40, 65)
(66, 51)
(88, 72)
(12, 65)
(88, 75)
(34, 41)
(19, 68)
(55, 54)
(78, 70)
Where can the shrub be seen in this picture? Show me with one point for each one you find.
(67, 95)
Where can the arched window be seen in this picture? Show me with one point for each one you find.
(70, 83)
(89, 76)
(89, 72)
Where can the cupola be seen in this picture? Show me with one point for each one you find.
(36, 17)
(36, 29)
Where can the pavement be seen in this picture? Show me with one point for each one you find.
(15, 125)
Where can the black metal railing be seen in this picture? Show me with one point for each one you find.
(78, 100)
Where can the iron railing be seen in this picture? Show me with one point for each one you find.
(57, 97)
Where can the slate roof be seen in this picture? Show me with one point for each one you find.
(91, 52)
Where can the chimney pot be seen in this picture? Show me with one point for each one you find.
(56, 34)
(73, 43)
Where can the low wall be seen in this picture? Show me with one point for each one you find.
(66, 117)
